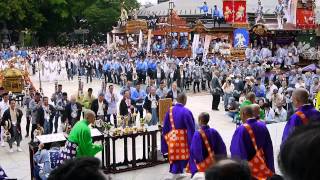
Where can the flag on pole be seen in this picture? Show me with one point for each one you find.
(149, 41)
(206, 46)
(195, 45)
(108, 40)
(140, 39)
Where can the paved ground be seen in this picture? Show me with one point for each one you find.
(17, 164)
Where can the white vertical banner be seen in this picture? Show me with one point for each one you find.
(140, 39)
(317, 11)
(108, 40)
(114, 38)
(149, 41)
(195, 45)
(293, 4)
(206, 45)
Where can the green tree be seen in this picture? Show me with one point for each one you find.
(103, 14)
(20, 14)
(51, 18)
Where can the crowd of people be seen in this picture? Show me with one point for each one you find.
(198, 150)
(262, 89)
(203, 152)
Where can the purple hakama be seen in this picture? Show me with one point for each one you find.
(242, 147)
(183, 119)
(2, 174)
(198, 151)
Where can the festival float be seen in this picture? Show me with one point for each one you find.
(14, 79)
(173, 28)
(128, 33)
(235, 14)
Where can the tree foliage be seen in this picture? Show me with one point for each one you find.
(51, 18)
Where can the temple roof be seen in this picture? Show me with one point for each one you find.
(191, 7)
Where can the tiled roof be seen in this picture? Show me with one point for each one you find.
(191, 7)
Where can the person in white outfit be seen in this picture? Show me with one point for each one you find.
(53, 70)
(112, 99)
(279, 11)
(271, 89)
(269, 113)
(63, 70)
(46, 65)
(280, 113)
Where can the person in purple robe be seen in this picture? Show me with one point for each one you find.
(183, 120)
(304, 114)
(198, 150)
(241, 143)
(2, 173)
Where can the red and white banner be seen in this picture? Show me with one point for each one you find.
(305, 18)
(240, 12)
(228, 11)
(235, 11)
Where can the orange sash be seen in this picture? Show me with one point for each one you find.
(257, 164)
(177, 142)
(202, 166)
(303, 117)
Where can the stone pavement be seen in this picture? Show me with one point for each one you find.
(17, 164)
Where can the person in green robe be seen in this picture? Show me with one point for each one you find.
(79, 143)
(251, 99)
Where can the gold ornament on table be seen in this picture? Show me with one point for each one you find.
(117, 132)
(133, 118)
(134, 129)
(107, 127)
(127, 131)
(122, 120)
(148, 117)
(103, 126)
(142, 122)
